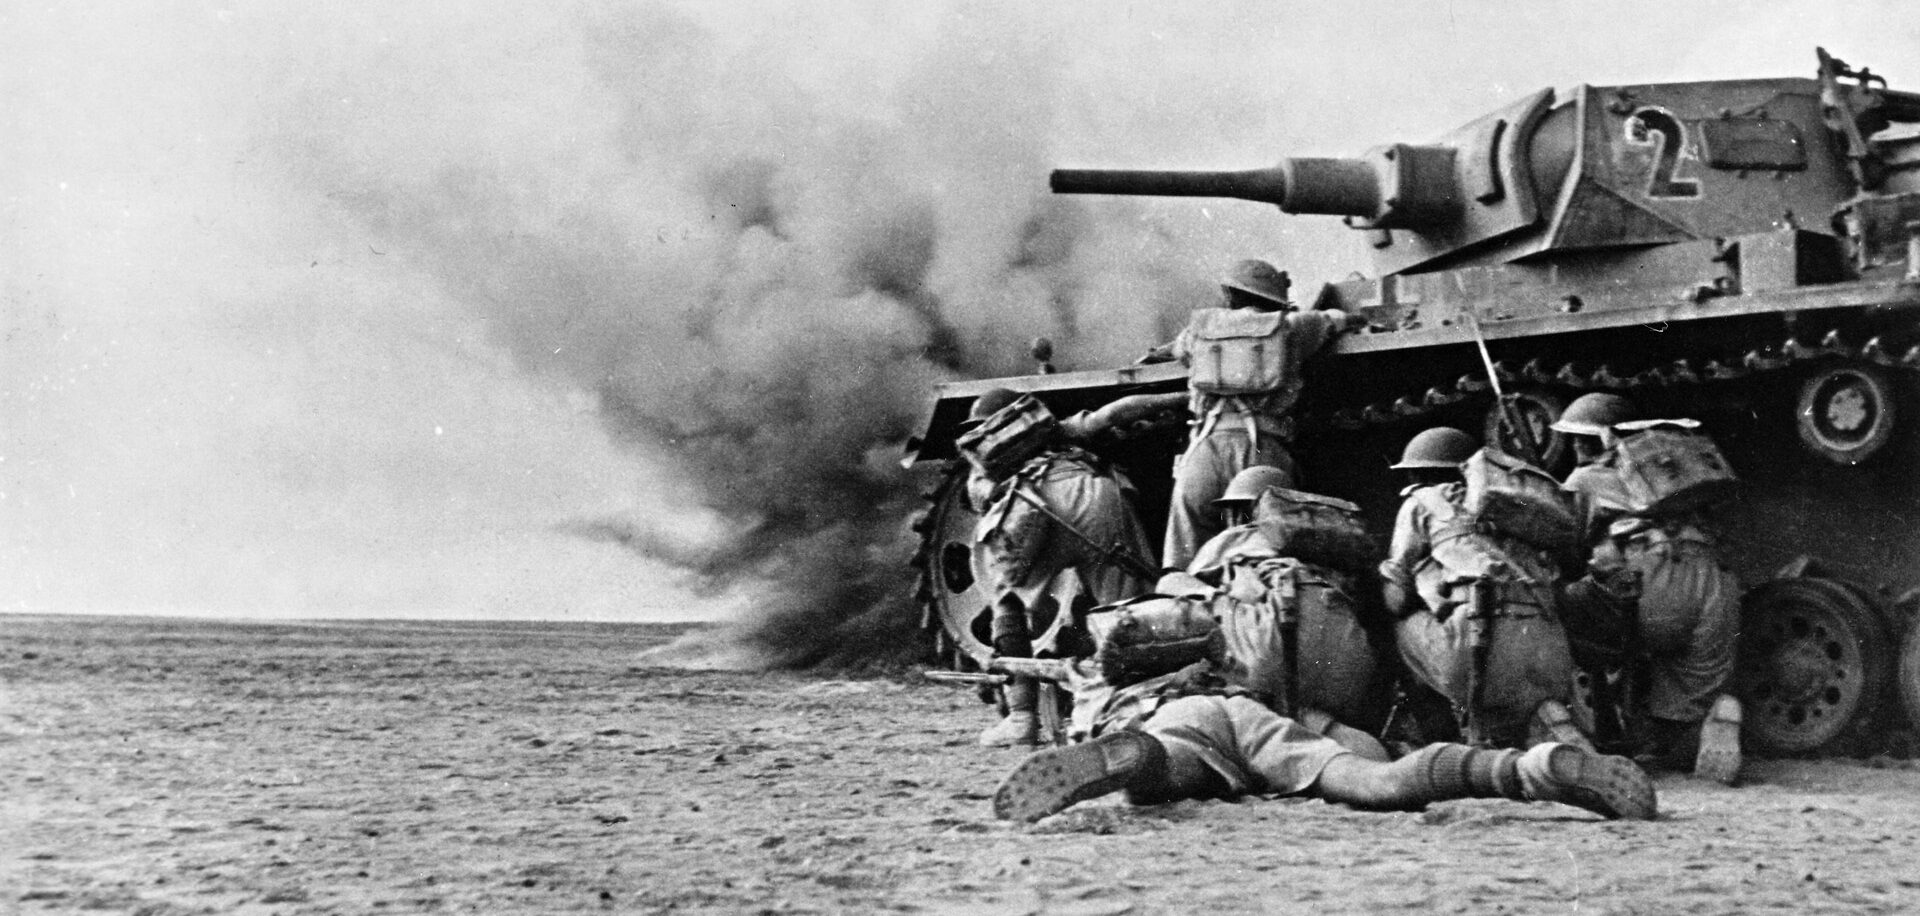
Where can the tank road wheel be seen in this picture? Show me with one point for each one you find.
(956, 600)
(1538, 409)
(1815, 665)
(1846, 411)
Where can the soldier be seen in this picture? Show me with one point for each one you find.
(1235, 509)
(1476, 609)
(1278, 584)
(1657, 593)
(1188, 735)
(1244, 359)
(1047, 508)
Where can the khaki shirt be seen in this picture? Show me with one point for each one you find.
(1307, 332)
(1436, 551)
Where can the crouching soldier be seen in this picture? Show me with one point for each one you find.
(1188, 734)
(1047, 509)
(1656, 595)
(1290, 579)
(1476, 606)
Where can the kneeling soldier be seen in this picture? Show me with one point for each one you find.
(1290, 579)
(1658, 595)
(1476, 607)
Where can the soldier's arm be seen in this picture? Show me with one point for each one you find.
(1160, 354)
(980, 490)
(1313, 329)
(1120, 414)
(1410, 545)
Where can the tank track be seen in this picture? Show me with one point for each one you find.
(1603, 377)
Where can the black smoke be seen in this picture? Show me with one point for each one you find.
(758, 287)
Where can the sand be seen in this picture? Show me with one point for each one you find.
(160, 767)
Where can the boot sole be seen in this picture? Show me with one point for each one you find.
(1055, 779)
(1612, 786)
(1719, 758)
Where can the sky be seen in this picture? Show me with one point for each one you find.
(619, 311)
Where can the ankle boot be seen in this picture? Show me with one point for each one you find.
(1614, 787)
(1021, 727)
(1057, 778)
(1719, 756)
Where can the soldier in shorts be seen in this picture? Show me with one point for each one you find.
(1189, 735)
(1261, 576)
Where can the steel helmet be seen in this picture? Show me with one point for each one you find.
(990, 402)
(1261, 279)
(1592, 414)
(1439, 447)
(1250, 483)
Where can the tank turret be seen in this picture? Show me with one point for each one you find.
(1595, 169)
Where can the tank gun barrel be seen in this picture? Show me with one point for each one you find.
(1398, 186)
(1267, 186)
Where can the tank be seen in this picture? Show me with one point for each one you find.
(1744, 252)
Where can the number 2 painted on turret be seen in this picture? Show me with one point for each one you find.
(1658, 128)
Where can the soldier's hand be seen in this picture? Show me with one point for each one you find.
(1395, 598)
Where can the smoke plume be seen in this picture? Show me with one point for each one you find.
(759, 286)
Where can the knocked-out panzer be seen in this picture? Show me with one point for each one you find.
(1745, 252)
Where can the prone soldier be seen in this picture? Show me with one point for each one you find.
(1656, 593)
(1048, 509)
(1189, 734)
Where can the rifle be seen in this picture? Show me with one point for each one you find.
(1002, 667)
(1509, 404)
(1051, 673)
(1480, 615)
(1289, 598)
(1110, 553)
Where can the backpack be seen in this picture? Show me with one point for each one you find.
(1152, 635)
(1236, 351)
(1517, 499)
(1668, 467)
(1316, 529)
(1465, 549)
(1334, 659)
(1011, 437)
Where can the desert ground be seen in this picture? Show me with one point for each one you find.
(161, 766)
